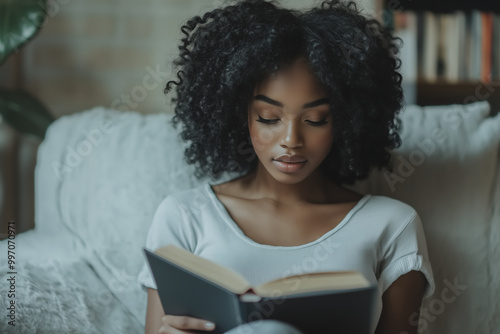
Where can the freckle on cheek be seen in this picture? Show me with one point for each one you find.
(265, 136)
(257, 144)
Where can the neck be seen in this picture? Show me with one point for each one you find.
(316, 188)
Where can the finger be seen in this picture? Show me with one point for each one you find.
(171, 330)
(184, 322)
(166, 329)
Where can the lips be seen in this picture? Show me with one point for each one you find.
(288, 167)
(291, 158)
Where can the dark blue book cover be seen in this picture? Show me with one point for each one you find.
(183, 292)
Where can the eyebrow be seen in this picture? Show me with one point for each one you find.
(279, 104)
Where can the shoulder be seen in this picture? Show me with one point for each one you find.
(391, 215)
(184, 199)
(176, 209)
(384, 205)
(177, 204)
(173, 223)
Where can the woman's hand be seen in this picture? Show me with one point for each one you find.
(177, 324)
(158, 322)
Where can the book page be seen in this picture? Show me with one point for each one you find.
(207, 269)
(322, 281)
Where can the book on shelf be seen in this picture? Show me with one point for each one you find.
(452, 52)
(495, 48)
(406, 24)
(430, 47)
(461, 45)
(455, 47)
(320, 302)
(475, 45)
(486, 47)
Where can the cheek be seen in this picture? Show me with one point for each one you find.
(262, 137)
(323, 140)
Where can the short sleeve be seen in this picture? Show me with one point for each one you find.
(406, 251)
(169, 226)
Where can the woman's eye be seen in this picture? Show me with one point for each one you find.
(273, 121)
(317, 123)
(267, 121)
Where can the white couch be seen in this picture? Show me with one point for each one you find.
(101, 174)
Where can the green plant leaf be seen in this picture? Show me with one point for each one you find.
(24, 112)
(20, 20)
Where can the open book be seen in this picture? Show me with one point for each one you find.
(324, 302)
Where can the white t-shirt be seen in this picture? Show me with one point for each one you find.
(380, 237)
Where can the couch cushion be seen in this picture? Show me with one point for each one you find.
(62, 297)
(446, 169)
(115, 168)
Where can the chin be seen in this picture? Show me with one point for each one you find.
(289, 178)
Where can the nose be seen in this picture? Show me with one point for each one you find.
(292, 137)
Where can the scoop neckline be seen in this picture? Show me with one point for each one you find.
(236, 228)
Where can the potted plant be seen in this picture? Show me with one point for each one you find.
(21, 21)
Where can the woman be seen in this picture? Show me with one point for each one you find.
(299, 104)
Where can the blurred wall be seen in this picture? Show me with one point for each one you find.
(99, 52)
(113, 53)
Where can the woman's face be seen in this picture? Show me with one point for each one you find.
(289, 115)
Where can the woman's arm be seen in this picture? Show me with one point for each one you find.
(154, 312)
(401, 304)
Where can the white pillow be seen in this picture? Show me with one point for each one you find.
(116, 169)
(446, 169)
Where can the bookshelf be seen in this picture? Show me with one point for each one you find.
(453, 49)
(438, 93)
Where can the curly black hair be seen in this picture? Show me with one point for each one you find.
(225, 53)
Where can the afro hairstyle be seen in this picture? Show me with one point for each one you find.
(227, 51)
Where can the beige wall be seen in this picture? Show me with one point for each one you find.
(90, 53)
(101, 52)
